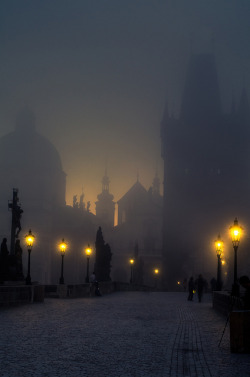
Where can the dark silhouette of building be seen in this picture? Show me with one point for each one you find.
(139, 223)
(102, 258)
(206, 169)
(31, 164)
(105, 206)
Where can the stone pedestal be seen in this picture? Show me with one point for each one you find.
(240, 331)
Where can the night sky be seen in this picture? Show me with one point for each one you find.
(97, 75)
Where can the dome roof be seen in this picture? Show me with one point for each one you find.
(26, 149)
(30, 163)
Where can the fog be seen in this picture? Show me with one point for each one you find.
(97, 75)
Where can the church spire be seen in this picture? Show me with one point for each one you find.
(105, 182)
(105, 207)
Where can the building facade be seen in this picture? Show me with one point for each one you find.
(206, 171)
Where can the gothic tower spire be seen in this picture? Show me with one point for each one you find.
(105, 207)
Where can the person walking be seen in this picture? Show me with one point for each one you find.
(200, 286)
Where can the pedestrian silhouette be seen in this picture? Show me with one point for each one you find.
(200, 283)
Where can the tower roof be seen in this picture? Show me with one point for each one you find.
(136, 192)
(27, 149)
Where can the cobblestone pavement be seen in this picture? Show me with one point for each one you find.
(118, 335)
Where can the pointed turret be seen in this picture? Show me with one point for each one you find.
(105, 182)
(105, 207)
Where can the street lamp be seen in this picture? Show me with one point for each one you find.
(236, 232)
(88, 252)
(132, 261)
(29, 239)
(156, 272)
(218, 248)
(62, 248)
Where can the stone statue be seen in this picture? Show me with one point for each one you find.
(4, 260)
(17, 213)
(75, 204)
(88, 206)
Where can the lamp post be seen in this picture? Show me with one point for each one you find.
(88, 252)
(156, 272)
(132, 261)
(62, 247)
(29, 239)
(219, 247)
(235, 231)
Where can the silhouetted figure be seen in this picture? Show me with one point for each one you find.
(200, 283)
(4, 248)
(191, 288)
(19, 262)
(4, 260)
(75, 203)
(97, 290)
(94, 284)
(245, 283)
(17, 219)
(81, 203)
(88, 206)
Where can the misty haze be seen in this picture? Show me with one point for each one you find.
(125, 148)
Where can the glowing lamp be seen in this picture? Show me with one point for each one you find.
(63, 247)
(219, 246)
(236, 232)
(131, 261)
(88, 251)
(29, 239)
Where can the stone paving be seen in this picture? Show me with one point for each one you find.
(124, 334)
